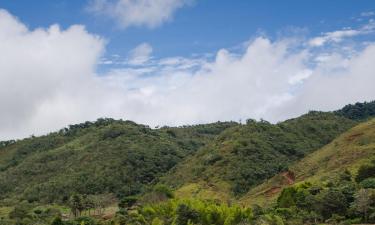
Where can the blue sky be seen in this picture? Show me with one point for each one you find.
(178, 62)
(205, 26)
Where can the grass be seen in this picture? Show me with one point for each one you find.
(217, 192)
(350, 150)
(4, 211)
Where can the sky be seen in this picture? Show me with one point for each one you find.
(179, 62)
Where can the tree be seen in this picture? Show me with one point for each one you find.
(365, 171)
(57, 221)
(346, 176)
(257, 210)
(88, 203)
(287, 197)
(363, 202)
(76, 205)
(127, 203)
(186, 215)
(368, 183)
(329, 202)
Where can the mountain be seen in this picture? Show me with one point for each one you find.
(349, 151)
(93, 165)
(222, 159)
(106, 156)
(243, 156)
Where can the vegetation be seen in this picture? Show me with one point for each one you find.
(351, 152)
(358, 111)
(245, 155)
(318, 168)
(106, 156)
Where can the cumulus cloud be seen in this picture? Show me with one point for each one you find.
(149, 13)
(48, 80)
(45, 74)
(329, 87)
(268, 81)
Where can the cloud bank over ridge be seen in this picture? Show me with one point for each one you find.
(49, 79)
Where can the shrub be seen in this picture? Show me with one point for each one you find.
(85, 220)
(185, 215)
(57, 221)
(127, 202)
(365, 171)
(368, 183)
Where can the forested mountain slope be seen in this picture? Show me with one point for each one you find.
(107, 156)
(246, 155)
(349, 151)
(125, 158)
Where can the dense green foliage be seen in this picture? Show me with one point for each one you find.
(358, 111)
(341, 199)
(365, 172)
(246, 155)
(106, 156)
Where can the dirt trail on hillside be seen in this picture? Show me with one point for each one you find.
(289, 177)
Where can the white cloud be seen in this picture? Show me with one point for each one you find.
(340, 35)
(335, 36)
(149, 13)
(300, 77)
(38, 67)
(140, 54)
(48, 80)
(329, 88)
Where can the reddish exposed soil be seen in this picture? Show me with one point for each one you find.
(289, 177)
(353, 136)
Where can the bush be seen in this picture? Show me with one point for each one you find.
(368, 183)
(86, 220)
(128, 202)
(19, 212)
(164, 190)
(57, 221)
(186, 215)
(287, 197)
(365, 171)
(331, 202)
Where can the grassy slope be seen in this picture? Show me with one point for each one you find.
(348, 151)
(111, 156)
(246, 155)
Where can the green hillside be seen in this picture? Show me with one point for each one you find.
(347, 152)
(107, 156)
(246, 155)
(119, 172)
